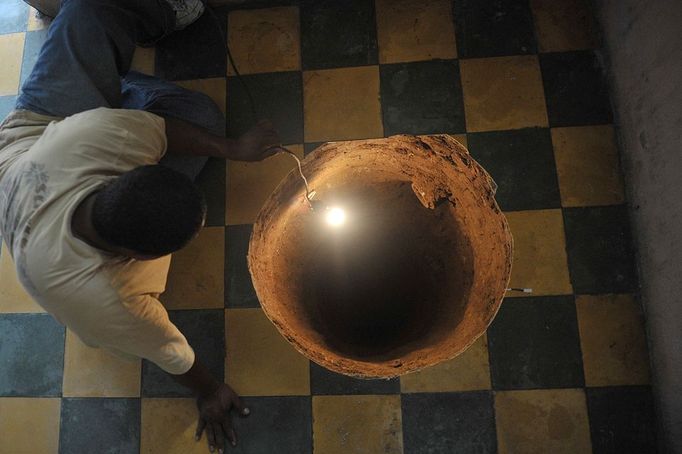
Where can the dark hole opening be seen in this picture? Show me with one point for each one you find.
(377, 283)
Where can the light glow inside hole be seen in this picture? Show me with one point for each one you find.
(335, 216)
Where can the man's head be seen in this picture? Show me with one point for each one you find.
(149, 212)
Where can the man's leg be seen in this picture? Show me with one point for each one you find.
(166, 99)
(89, 46)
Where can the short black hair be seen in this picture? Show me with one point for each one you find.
(151, 210)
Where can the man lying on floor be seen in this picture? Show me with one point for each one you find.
(95, 193)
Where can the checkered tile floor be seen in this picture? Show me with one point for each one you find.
(519, 82)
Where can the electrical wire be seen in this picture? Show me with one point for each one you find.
(308, 194)
(230, 61)
(524, 290)
(254, 114)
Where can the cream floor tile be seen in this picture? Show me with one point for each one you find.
(260, 362)
(168, 426)
(469, 371)
(11, 53)
(29, 425)
(94, 372)
(357, 424)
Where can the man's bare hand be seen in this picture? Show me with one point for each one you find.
(257, 143)
(215, 419)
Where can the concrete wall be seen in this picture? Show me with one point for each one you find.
(643, 50)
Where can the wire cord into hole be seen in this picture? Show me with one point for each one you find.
(308, 193)
(252, 104)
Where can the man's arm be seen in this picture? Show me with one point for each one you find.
(215, 399)
(139, 326)
(199, 379)
(188, 139)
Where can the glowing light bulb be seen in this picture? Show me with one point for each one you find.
(336, 217)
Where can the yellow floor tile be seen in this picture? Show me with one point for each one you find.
(11, 53)
(587, 166)
(143, 60)
(357, 424)
(467, 372)
(94, 372)
(613, 340)
(214, 88)
(29, 425)
(34, 23)
(563, 25)
(260, 362)
(503, 93)
(342, 104)
(265, 40)
(542, 421)
(249, 184)
(13, 297)
(168, 426)
(409, 30)
(196, 276)
(540, 260)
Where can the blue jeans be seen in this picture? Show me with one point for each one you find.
(85, 64)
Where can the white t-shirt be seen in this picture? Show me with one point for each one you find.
(48, 165)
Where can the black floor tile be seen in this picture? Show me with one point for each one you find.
(280, 425)
(621, 420)
(196, 52)
(534, 343)
(422, 98)
(277, 97)
(449, 423)
(99, 425)
(336, 34)
(211, 180)
(13, 16)
(522, 164)
(239, 291)
(600, 253)
(575, 89)
(205, 332)
(31, 355)
(491, 28)
(33, 42)
(6, 105)
(326, 382)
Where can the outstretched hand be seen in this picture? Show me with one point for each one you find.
(215, 419)
(257, 143)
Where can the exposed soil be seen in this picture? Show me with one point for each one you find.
(411, 279)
